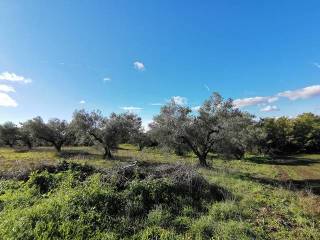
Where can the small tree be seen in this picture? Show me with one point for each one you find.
(55, 131)
(107, 131)
(161, 132)
(9, 133)
(26, 135)
(306, 132)
(142, 140)
(234, 138)
(255, 139)
(279, 138)
(200, 131)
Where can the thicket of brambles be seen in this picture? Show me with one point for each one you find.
(216, 128)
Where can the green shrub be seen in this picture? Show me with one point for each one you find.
(78, 202)
(159, 217)
(43, 182)
(156, 233)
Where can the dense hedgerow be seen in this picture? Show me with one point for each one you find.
(77, 202)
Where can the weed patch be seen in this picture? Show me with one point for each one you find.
(75, 201)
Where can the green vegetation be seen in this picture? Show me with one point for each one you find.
(179, 180)
(295, 135)
(145, 195)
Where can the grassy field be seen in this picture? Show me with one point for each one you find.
(270, 198)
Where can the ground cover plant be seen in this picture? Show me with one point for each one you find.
(75, 196)
(77, 201)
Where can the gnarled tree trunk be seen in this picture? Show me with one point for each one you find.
(203, 160)
(29, 145)
(57, 146)
(107, 153)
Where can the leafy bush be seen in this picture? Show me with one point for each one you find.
(72, 201)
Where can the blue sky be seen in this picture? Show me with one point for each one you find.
(121, 55)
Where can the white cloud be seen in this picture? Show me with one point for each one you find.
(7, 101)
(14, 77)
(156, 104)
(196, 108)
(6, 88)
(145, 124)
(244, 102)
(270, 108)
(139, 66)
(272, 99)
(302, 93)
(132, 109)
(206, 86)
(180, 100)
(82, 102)
(107, 79)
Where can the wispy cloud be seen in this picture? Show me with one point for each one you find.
(180, 100)
(316, 64)
(6, 88)
(107, 79)
(132, 109)
(244, 102)
(7, 101)
(206, 87)
(156, 104)
(139, 66)
(82, 102)
(273, 99)
(302, 93)
(269, 108)
(12, 77)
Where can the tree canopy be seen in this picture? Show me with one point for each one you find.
(216, 127)
(55, 131)
(200, 131)
(9, 133)
(107, 131)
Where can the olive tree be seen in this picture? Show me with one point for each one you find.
(26, 135)
(110, 131)
(55, 131)
(142, 139)
(256, 138)
(279, 136)
(199, 131)
(161, 130)
(235, 138)
(9, 133)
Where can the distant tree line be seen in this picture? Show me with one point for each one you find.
(290, 135)
(216, 128)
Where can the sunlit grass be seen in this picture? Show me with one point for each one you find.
(255, 210)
